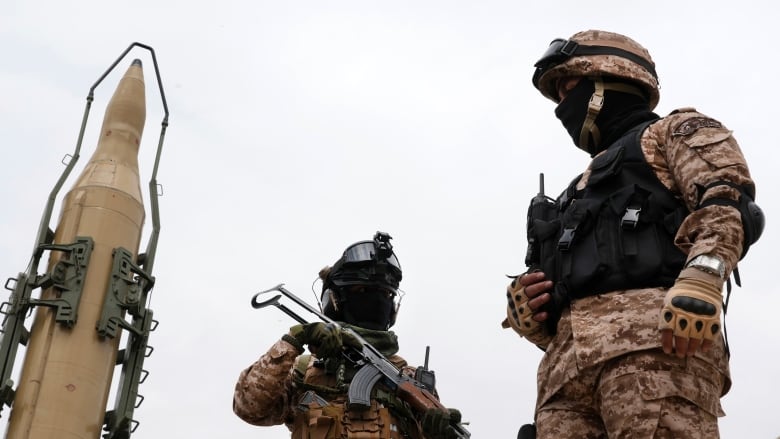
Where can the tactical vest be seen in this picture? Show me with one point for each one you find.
(322, 411)
(617, 232)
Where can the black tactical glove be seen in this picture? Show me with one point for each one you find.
(325, 340)
(439, 423)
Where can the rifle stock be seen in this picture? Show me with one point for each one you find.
(372, 366)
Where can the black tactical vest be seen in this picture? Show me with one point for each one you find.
(615, 234)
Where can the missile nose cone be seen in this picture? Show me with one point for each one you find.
(137, 62)
(126, 111)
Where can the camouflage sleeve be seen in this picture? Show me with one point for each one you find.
(690, 151)
(264, 389)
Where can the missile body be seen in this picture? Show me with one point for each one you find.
(67, 371)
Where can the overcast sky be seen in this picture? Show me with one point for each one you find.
(298, 128)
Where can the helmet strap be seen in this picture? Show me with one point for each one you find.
(589, 128)
(334, 300)
(590, 131)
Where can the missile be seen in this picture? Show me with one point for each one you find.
(73, 342)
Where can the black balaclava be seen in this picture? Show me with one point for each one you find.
(371, 309)
(574, 108)
(620, 112)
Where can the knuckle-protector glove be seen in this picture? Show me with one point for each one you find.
(520, 315)
(693, 305)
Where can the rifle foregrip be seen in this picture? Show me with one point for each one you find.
(359, 393)
(421, 400)
(417, 397)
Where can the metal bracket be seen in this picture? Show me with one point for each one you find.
(119, 422)
(127, 291)
(67, 276)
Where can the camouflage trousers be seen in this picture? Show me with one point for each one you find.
(640, 395)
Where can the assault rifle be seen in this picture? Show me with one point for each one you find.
(371, 364)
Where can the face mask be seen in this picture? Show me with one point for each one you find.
(573, 109)
(368, 309)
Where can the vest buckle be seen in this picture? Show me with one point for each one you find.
(630, 218)
(564, 244)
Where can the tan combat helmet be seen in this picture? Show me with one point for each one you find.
(600, 54)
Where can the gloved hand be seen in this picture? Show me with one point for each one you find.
(690, 317)
(523, 292)
(325, 340)
(439, 423)
(519, 314)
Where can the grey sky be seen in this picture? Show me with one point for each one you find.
(297, 128)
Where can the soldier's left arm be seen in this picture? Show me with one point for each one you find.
(706, 167)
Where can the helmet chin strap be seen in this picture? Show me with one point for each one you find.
(589, 128)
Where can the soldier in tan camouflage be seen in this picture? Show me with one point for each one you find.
(308, 393)
(626, 267)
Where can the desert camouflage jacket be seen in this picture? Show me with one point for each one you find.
(687, 150)
(280, 389)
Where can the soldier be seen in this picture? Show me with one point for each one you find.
(308, 393)
(627, 265)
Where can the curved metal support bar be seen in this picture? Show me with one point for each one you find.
(151, 248)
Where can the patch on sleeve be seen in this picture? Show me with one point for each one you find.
(694, 123)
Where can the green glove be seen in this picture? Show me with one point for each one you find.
(325, 340)
(439, 423)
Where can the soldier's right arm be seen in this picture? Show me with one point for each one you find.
(520, 315)
(264, 389)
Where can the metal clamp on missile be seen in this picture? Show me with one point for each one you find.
(66, 277)
(95, 277)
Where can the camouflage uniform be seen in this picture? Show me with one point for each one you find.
(274, 390)
(311, 396)
(604, 373)
(610, 343)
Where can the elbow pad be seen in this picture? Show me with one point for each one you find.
(753, 219)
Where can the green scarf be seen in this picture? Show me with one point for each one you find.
(385, 342)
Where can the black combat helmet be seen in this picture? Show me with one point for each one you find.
(361, 287)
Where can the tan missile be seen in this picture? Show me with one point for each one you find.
(67, 372)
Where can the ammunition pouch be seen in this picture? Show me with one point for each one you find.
(318, 418)
(323, 413)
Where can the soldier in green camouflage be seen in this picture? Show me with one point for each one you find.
(626, 269)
